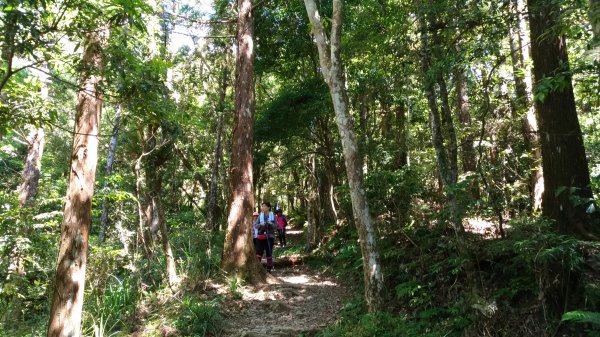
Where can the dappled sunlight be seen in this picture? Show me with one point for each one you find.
(486, 228)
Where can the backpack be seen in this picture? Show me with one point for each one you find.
(270, 227)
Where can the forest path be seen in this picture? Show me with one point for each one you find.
(302, 303)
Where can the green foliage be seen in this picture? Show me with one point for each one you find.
(392, 190)
(292, 112)
(112, 308)
(199, 318)
(582, 317)
(432, 294)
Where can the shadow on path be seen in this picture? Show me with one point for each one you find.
(302, 304)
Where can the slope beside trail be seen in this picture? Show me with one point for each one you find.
(301, 302)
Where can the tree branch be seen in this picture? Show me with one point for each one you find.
(320, 37)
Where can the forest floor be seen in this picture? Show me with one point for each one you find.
(300, 301)
(296, 301)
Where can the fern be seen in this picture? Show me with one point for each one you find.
(582, 317)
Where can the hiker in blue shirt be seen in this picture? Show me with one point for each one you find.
(265, 228)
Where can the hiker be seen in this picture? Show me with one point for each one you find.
(281, 226)
(254, 230)
(265, 227)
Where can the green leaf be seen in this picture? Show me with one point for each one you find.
(582, 317)
(560, 190)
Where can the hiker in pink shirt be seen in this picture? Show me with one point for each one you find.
(281, 226)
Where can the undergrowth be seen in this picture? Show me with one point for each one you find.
(127, 292)
(516, 286)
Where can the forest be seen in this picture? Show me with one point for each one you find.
(296, 168)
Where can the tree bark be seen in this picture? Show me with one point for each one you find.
(109, 164)
(446, 157)
(594, 15)
(563, 153)
(332, 70)
(69, 284)
(313, 205)
(523, 91)
(363, 126)
(238, 252)
(449, 131)
(33, 166)
(7, 52)
(469, 163)
(144, 237)
(159, 221)
(468, 153)
(212, 196)
(403, 125)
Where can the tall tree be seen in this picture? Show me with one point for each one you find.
(69, 284)
(109, 166)
(440, 119)
(238, 252)
(33, 165)
(330, 58)
(218, 152)
(566, 172)
(519, 52)
(594, 14)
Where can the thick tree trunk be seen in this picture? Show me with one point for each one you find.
(69, 285)
(331, 66)
(238, 251)
(214, 180)
(109, 164)
(33, 166)
(566, 172)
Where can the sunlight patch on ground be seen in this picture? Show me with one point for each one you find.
(293, 232)
(484, 227)
(298, 279)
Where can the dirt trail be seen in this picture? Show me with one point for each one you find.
(303, 303)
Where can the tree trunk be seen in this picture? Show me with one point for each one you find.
(594, 15)
(69, 285)
(331, 67)
(446, 158)
(238, 252)
(522, 77)
(330, 172)
(212, 196)
(159, 221)
(313, 205)
(469, 163)
(402, 123)
(566, 172)
(449, 132)
(7, 52)
(468, 154)
(363, 126)
(33, 165)
(144, 237)
(109, 164)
